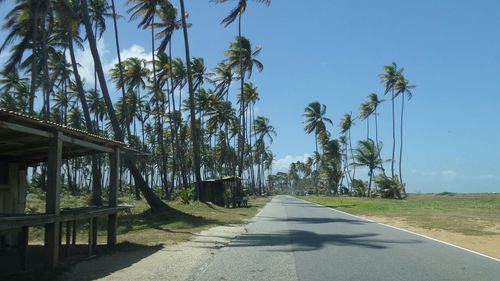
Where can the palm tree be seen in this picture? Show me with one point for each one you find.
(315, 122)
(262, 129)
(403, 88)
(154, 202)
(345, 128)
(365, 111)
(23, 23)
(389, 78)
(375, 103)
(367, 154)
(242, 58)
(194, 129)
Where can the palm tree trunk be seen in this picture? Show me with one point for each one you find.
(117, 43)
(393, 135)
(96, 198)
(154, 202)
(194, 130)
(370, 183)
(401, 139)
(377, 144)
(241, 135)
(352, 155)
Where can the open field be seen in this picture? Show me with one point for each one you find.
(468, 220)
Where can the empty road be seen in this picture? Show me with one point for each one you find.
(291, 239)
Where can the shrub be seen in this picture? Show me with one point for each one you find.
(186, 195)
(359, 187)
(389, 187)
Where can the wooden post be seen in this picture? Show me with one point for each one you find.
(94, 231)
(52, 199)
(113, 187)
(91, 242)
(23, 246)
(68, 237)
(73, 233)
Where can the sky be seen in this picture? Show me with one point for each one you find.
(332, 52)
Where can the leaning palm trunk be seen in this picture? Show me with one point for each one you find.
(96, 173)
(194, 129)
(154, 202)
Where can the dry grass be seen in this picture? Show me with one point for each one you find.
(468, 214)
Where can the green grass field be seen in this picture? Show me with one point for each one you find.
(469, 214)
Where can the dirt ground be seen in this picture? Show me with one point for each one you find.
(175, 261)
(485, 244)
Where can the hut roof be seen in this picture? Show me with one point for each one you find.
(25, 139)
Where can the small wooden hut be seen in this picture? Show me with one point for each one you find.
(25, 141)
(223, 192)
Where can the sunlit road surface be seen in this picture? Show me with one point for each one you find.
(291, 239)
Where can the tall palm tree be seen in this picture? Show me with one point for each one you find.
(194, 129)
(315, 122)
(242, 57)
(403, 88)
(154, 202)
(375, 103)
(346, 124)
(365, 111)
(367, 154)
(389, 78)
(23, 23)
(262, 129)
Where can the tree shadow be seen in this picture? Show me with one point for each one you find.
(301, 240)
(129, 253)
(315, 220)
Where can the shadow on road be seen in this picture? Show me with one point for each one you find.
(313, 220)
(301, 240)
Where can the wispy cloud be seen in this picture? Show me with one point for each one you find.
(282, 164)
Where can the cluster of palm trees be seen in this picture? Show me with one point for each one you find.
(336, 160)
(184, 139)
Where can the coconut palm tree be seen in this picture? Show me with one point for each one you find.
(242, 58)
(365, 110)
(375, 103)
(194, 129)
(389, 78)
(22, 23)
(315, 122)
(346, 124)
(154, 202)
(367, 155)
(402, 87)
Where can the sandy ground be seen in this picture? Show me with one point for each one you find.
(485, 244)
(170, 262)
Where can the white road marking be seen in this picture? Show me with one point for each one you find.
(405, 230)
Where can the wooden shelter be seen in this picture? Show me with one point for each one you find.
(223, 192)
(26, 141)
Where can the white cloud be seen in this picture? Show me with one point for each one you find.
(135, 51)
(86, 61)
(282, 164)
(449, 174)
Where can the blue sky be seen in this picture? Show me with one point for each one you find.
(332, 52)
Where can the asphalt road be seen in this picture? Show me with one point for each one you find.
(291, 239)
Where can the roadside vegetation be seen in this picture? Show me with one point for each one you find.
(189, 121)
(331, 169)
(468, 214)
